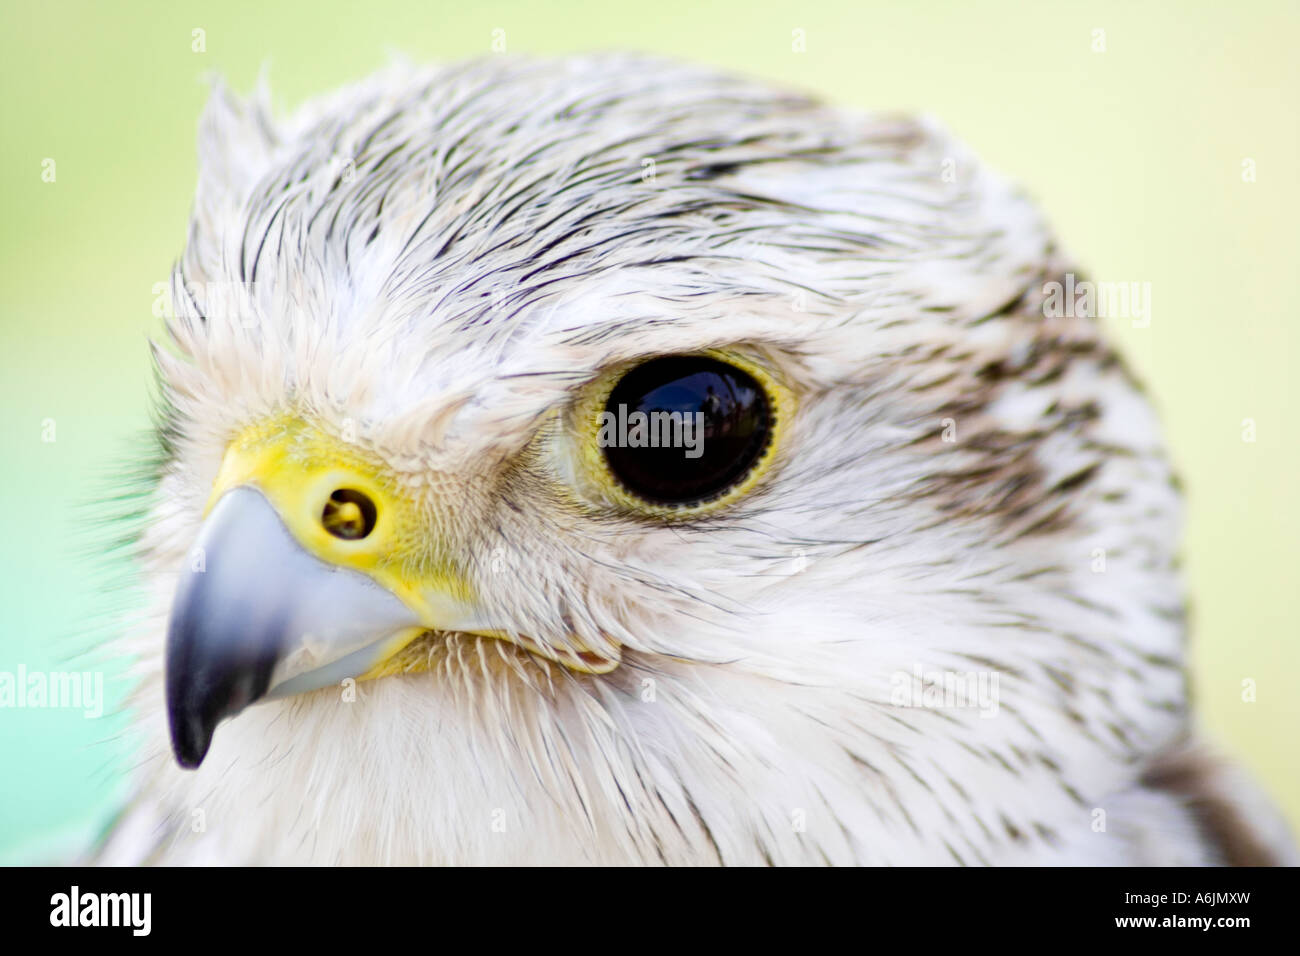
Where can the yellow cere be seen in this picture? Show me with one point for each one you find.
(298, 467)
(601, 483)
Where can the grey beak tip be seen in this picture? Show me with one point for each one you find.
(204, 689)
(220, 649)
(258, 593)
(191, 738)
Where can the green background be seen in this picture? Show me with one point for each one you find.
(1135, 153)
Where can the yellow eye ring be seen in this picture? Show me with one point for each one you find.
(596, 479)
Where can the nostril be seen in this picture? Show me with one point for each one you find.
(349, 514)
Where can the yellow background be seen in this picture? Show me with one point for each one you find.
(1135, 153)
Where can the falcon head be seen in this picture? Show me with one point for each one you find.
(604, 460)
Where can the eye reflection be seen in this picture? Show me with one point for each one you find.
(682, 430)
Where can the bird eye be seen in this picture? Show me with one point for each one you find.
(684, 430)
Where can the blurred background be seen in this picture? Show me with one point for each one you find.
(1160, 138)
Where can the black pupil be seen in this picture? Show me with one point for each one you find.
(682, 430)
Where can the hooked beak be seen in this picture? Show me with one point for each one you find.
(313, 566)
(263, 617)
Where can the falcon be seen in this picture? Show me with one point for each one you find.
(608, 461)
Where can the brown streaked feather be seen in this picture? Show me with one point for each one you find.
(1218, 801)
